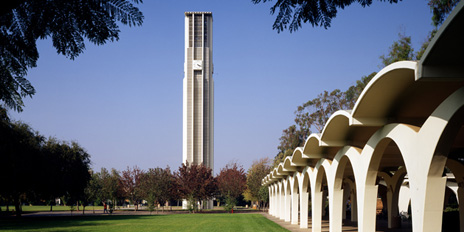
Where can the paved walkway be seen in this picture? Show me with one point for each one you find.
(296, 228)
(325, 226)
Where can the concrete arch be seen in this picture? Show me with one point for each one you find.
(281, 197)
(321, 170)
(288, 165)
(379, 95)
(336, 129)
(298, 158)
(435, 136)
(287, 198)
(312, 148)
(305, 185)
(354, 204)
(346, 155)
(393, 184)
(295, 198)
(404, 136)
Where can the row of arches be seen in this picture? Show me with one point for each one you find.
(354, 174)
(393, 156)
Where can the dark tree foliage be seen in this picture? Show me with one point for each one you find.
(92, 191)
(67, 22)
(293, 13)
(20, 152)
(130, 185)
(231, 183)
(195, 183)
(34, 168)
(68, 170)
(441, 9)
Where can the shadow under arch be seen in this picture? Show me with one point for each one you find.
(345, 184)
(319, 193)
(387, 150)
(295, 199)
(305, 194)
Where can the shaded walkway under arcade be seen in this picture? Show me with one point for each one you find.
(381, 225)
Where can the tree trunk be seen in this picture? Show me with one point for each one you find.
(17, 207)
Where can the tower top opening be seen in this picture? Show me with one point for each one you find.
(187, 13)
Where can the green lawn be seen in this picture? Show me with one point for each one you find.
(114, 223)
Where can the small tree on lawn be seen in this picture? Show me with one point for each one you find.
(130, 184)
(231, 183)
(110, 185)
(195, 183)
(174, 193)
(258, 170)
(93, 190)
(156, 185)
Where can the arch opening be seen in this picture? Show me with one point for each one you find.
(387, 172)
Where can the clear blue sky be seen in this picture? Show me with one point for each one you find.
(123, 101)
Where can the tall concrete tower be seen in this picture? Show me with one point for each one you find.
(198, 90)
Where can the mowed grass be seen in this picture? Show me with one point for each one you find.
(114, 223)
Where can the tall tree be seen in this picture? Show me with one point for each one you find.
(67, 22)
(195, 183)
(231, 183)
(156, 185)
(293, 13)
(400, 50)
(258, 170)
(20, 152)
(130, 185)
(291, 138)
(353, 92)
(73, 169)
(313, 114)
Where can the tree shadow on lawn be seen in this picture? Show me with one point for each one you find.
(56, 222)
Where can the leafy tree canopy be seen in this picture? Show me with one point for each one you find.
(35, 168)
(231, 183)
(130, 184)
(400, 50)
(67, 22)
(156, 185)
(195, 183)
(258, 170)
(293, 13)
(441, 9)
